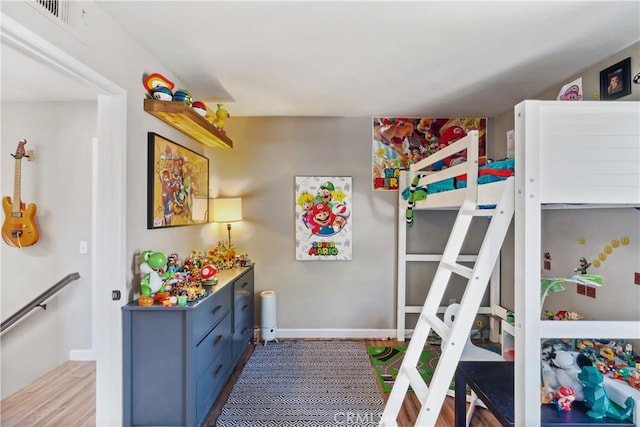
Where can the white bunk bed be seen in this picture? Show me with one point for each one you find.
(405, 257)
(567, 154)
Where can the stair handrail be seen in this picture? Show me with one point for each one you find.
(39, 301)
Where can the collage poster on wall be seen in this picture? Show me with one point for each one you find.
(399, 142)
(323, 219)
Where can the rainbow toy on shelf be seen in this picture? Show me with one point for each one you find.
(158, 87)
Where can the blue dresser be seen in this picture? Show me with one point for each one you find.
(178, 359)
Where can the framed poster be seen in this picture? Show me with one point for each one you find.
(615, 81)
(323, 219)
(176, 177)
(399, 142)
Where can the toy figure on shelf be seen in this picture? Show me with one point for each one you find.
(173, 263)
(207, 275)
(158, 87)
(563, 398)
(151, 266)
(596, 398)
(584, 264)
(634, 379)
(221, 116)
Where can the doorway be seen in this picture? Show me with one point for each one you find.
(108, 242)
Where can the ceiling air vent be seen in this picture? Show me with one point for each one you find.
(69, 14)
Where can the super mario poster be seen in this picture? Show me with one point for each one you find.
(399, 142)
(176, 177)
(323, 218)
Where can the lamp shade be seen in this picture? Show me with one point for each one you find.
(227, 210)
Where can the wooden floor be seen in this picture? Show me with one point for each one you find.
(66, 397)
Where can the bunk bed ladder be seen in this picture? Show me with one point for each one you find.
(432, 397)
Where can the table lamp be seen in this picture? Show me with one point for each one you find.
(227, 210)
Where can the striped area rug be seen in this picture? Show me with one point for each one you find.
(305, 384)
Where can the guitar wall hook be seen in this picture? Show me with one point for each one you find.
(19, 227)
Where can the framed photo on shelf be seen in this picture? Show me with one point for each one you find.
(615, 81)
(177, 180)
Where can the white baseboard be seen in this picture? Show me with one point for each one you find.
(337, 333)
(84, 355)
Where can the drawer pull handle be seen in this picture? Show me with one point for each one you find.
(215, 374)
(245, 284)
(245, 307)
(217, 341)
(217, 309)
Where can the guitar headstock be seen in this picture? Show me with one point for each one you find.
(20, 153)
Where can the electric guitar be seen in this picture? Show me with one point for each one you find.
(19, 227)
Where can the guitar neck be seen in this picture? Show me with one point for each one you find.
(17, 203)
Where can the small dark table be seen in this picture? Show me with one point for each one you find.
(493, 383)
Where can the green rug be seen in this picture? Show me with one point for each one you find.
(387, 360)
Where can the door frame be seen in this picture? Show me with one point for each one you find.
(108, 243)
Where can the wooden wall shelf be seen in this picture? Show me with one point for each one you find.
(182, 117)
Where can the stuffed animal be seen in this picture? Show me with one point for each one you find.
(560, 368)
(221, 116)
(597, 399)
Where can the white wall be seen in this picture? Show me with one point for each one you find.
(58, 181)
(571, 234)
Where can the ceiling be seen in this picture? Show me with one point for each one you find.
(367, 58)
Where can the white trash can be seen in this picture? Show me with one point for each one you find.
(268, 321)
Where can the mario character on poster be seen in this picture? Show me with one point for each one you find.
(323, 218)
(399, 142)
(177, 175)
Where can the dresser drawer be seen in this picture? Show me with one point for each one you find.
(243, 286)
(213, 379)
(241, 337)
(242, 311)
(210, 311)
(212, 344)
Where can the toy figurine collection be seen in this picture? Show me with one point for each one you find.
(574, 370)
(167, 281)
(160, 88)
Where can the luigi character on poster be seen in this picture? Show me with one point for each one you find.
(323, 218)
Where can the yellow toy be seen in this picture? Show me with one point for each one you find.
(221, 116)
